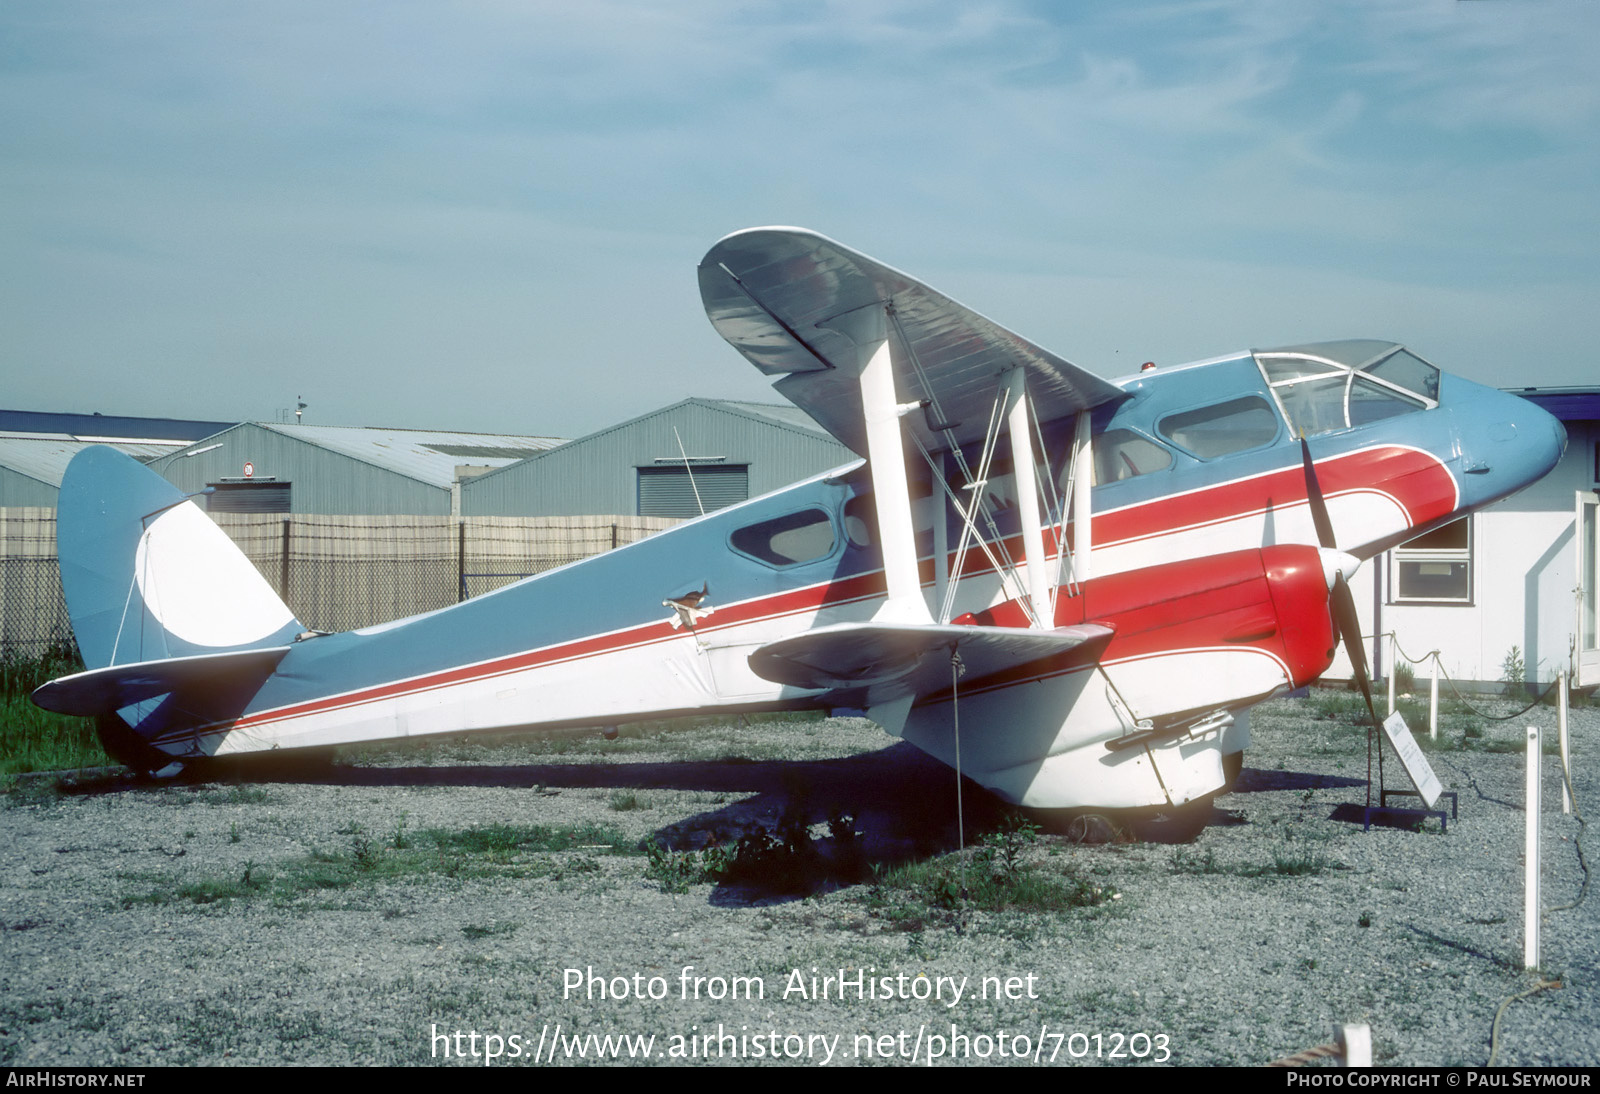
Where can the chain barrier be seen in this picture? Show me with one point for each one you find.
(1434, 656)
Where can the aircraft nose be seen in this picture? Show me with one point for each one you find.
(1513, 443)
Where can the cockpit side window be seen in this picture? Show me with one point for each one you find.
(1223, 428)
(1405, 370)
(1342, 385)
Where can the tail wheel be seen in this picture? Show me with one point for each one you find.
(127, 747)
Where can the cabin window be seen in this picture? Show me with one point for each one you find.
(787, 540)
(1121, 454)
(1223, 429)
(999, 489)
(1435, 568)
(861, 521)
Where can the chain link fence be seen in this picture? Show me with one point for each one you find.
(336, 573)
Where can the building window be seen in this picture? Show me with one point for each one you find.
(1435, 568)
(248, 496)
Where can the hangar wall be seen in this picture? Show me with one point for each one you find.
(600, 473)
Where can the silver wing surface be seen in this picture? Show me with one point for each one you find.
(778, 296)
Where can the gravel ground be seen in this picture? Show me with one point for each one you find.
(130, 937)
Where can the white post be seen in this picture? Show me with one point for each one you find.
(1433, 699)
(1356, 1043)
(1393, 665)
(1530, 854)
(1561, 737)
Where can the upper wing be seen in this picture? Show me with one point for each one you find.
(769, 291)
(865, 664)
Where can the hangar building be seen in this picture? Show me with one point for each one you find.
(265, 467)
(35, 447)
(694, 456)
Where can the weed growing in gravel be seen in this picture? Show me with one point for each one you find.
(1185, 861)
(675, 871)
(489, 851)
(232, 795)
(507, 839)
(626, 801)
(991, 879)
(490, 930)
(1288, 863)
(1285, 863)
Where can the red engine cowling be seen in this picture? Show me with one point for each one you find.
(1272, 598)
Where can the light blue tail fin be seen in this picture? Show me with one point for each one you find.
(148, 576)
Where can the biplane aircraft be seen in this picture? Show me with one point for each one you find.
(1066, 587)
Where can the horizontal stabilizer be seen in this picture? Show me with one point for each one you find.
(778, 295)
(871, 663)
(194, 680)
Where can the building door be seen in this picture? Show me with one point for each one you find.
(667, 491)
(1588, 584)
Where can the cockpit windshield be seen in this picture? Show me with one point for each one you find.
(1329, 386)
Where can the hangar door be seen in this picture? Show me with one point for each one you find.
(1588, 583)
(684, 491)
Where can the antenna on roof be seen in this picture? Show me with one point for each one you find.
(299, 408)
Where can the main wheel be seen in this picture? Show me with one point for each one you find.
(1169, 824)
(1232, 766)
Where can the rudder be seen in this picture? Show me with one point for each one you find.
(148, 576)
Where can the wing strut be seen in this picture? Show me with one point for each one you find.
(1039, 573)
(886, 455)
(1082, 531)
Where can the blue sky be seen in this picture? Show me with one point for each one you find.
(486, 215)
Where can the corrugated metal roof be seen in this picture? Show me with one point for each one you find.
(410, 452)
(101, 426)
(45, 458)
(790, 417)
(783, 413)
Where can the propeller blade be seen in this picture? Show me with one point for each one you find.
(1343, 604)
(1319, 508)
